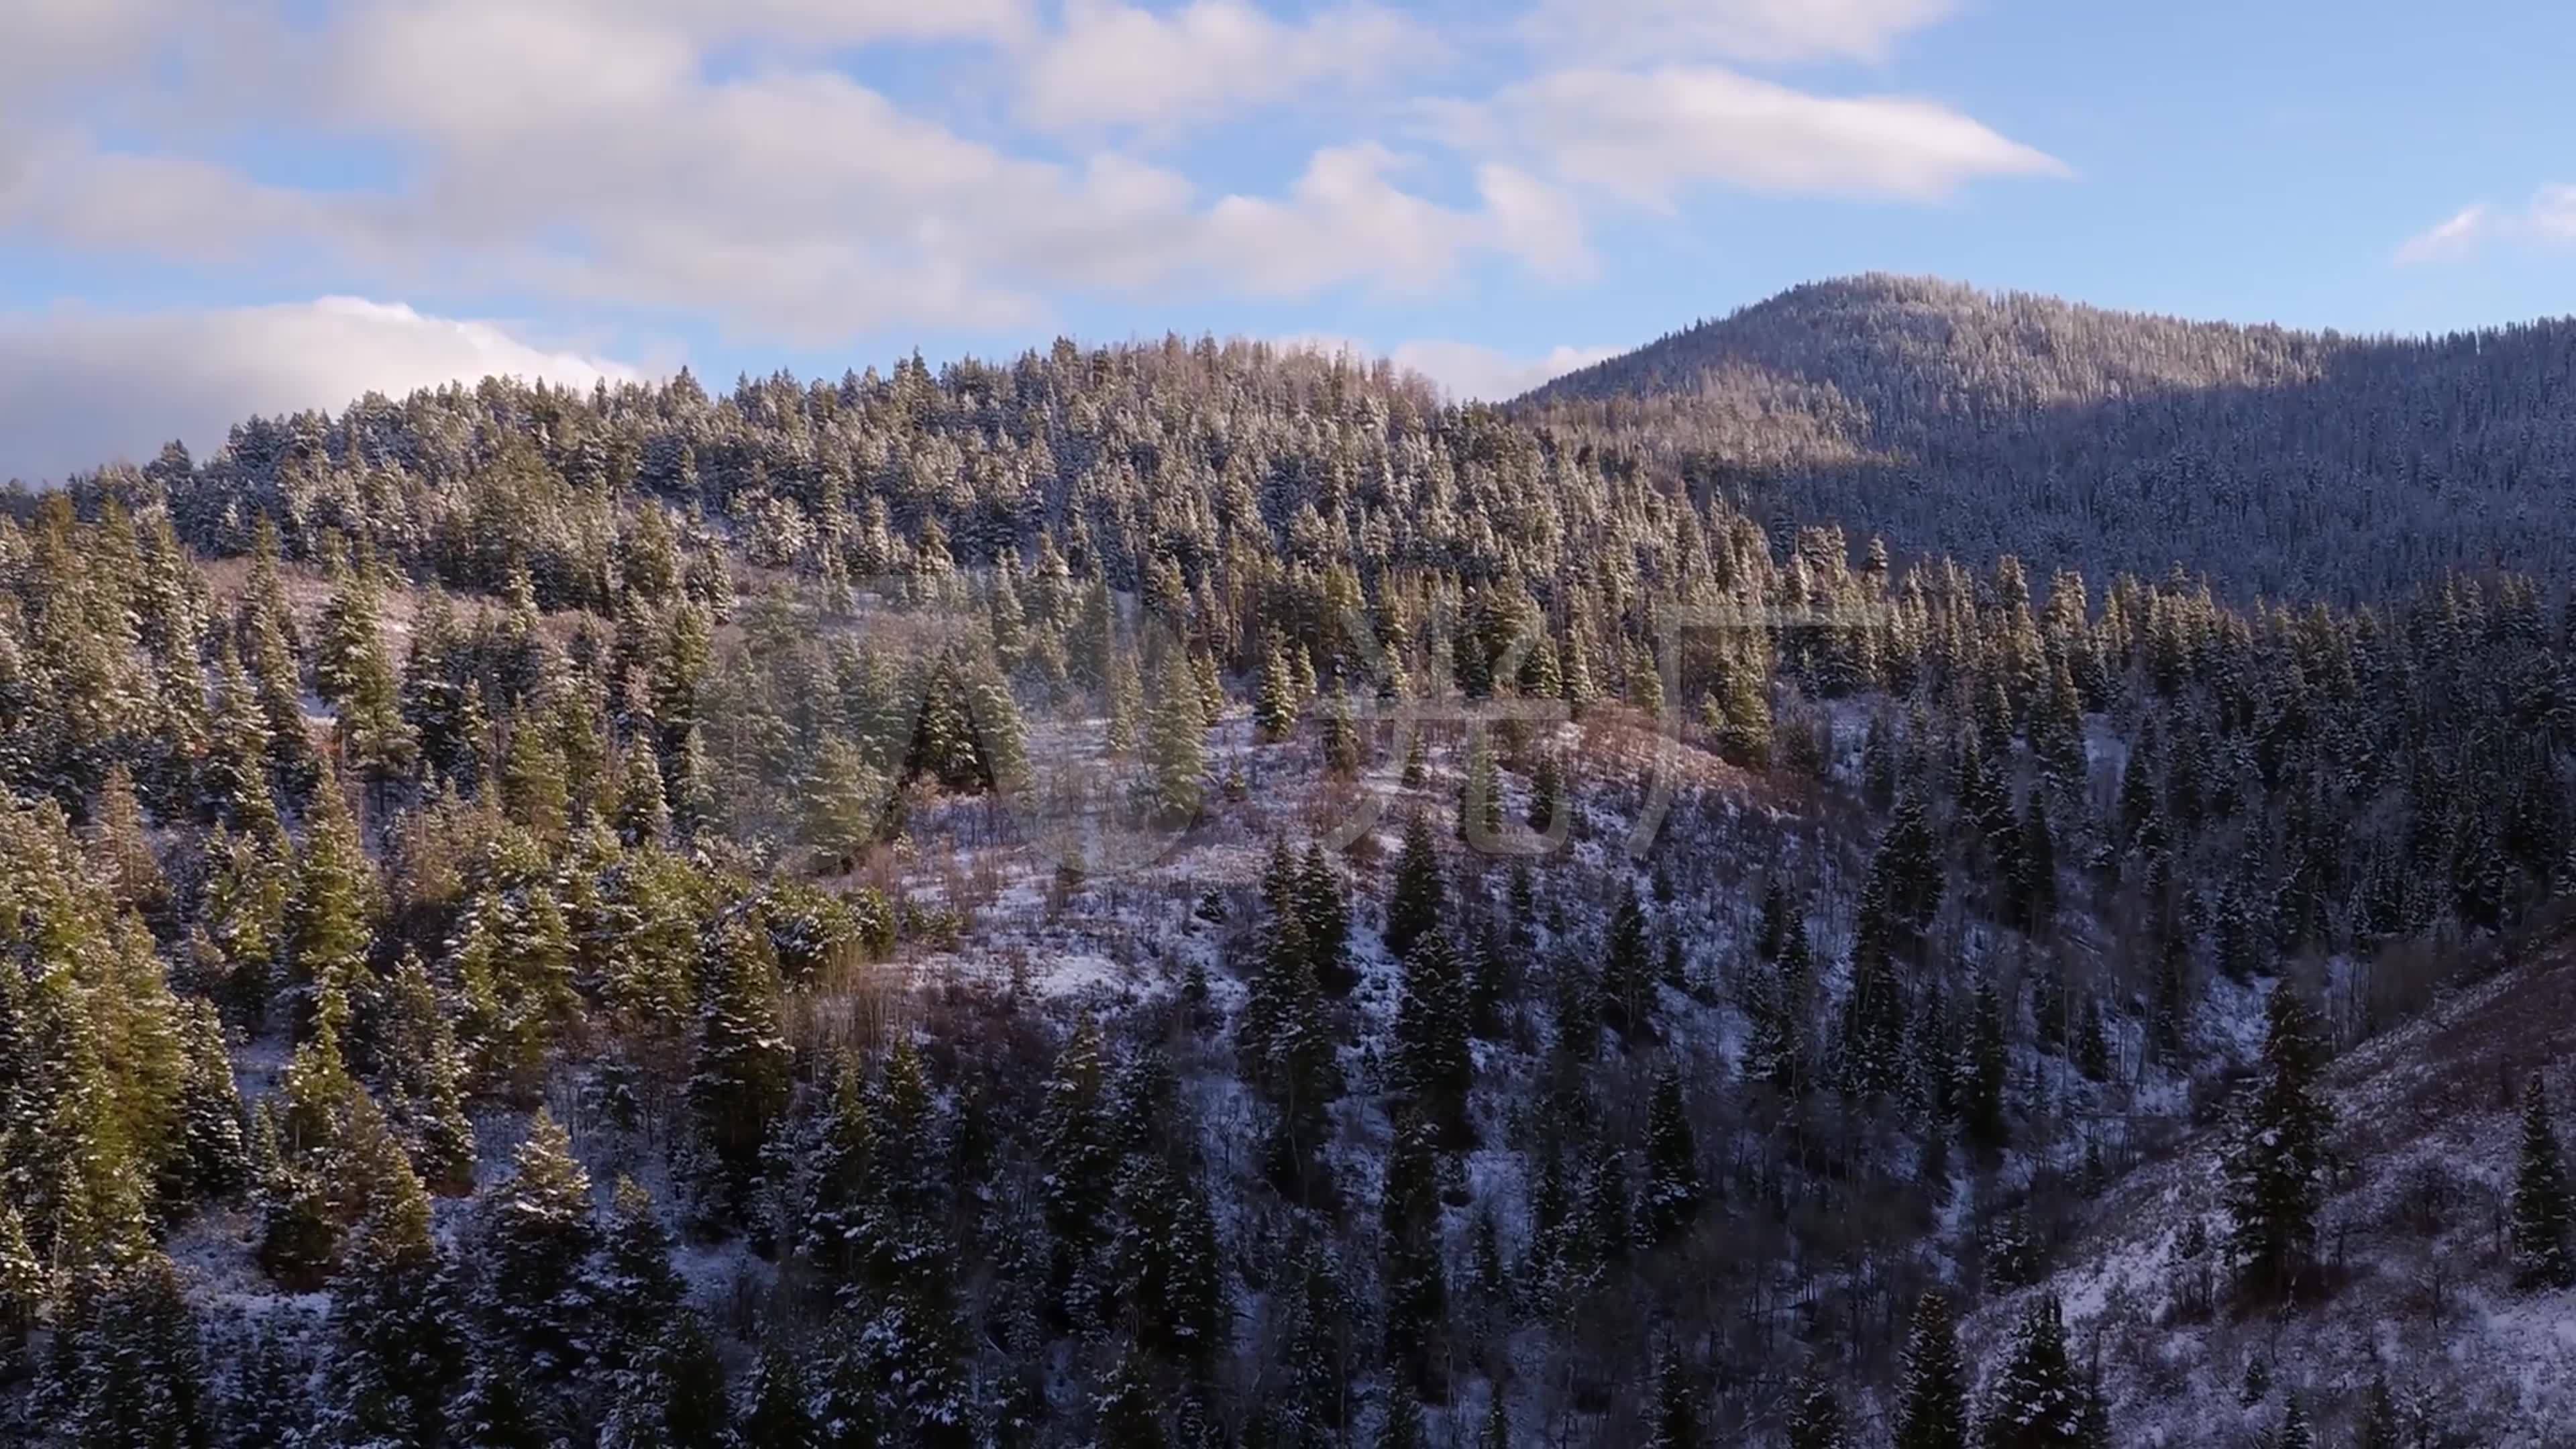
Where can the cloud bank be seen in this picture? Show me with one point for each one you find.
(80, 388)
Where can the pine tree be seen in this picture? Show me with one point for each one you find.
(1434, 1063)
(1815, 1415)
(214, 1158)
(776, 1409)
(135, 1373)
(1932, 1408)
(2036, 1401)
(24, 1284)
(1983, 1067)
(1413, 903)
(1675, 1189)
(2378, 1427)
(743, 1065)
(1417, 1286)
(673, 1397)
(425, 1073)
(1326, 914)
(1480, 797)
(2294, 1432)
(1127, 1409)
(1275, 713)
(2276, 1155)
(398, 1348)
(1176, 743)
(1078, 1160)
(2540, 1203)
(632, 1288)
(1678, 1412)
(538, 1236)
(1627, 976)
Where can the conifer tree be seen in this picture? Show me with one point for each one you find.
(1678, 1414)
(1480, 797)
(537, 1240)
(2036, 1401)
(1275, 712)
(1983, 1068)
(1675, 1189)
(1413, 903)
(1127, 1409)
(1078, 1159)
(673, 1397)
(425, 1074)
(1932, 1407)
(2378, 1427)
(2540, 1203)
(399, 1351)
(135, 1373)
(1434, 1063)
(1176, 742)
(213, 1160)
(2276, 1156)
(776, 1411)
(1627, 975)
(1816, 1415)
(1325, 912)
(742, 1072)
(1417, 1286)
(632, 1288)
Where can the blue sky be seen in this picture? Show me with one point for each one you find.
(209, 207)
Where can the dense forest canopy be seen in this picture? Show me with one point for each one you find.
(2275, 462)
(533, 917)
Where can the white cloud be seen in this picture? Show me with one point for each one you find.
(1345, 221)
(1465, 371)
(1472, 373)
(79, 388)
(2548, 219)
(1121, 65)
(717, 159)
(1645, 137)
(1629, 31)
(2455, 237)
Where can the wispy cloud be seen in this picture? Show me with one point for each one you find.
(1118, 65)
(2547, 219)
(1466, 371)
(1646, 137)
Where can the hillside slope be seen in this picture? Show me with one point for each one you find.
(2415, 1237)
(2277, 462)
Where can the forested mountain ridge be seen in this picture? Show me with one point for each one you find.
(616, 918)
(2273, 461)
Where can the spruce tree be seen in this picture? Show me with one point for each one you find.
(1816, 1415)
(1176, 743)
(2036, 1401)
(1678, 1412)
(1434, 1063)
(2275, 1162)
(1932, 1407)
(1675, 1189)
(1413, 902)
(673, 1395)
(1078, 1161)
(632, 1289)
(2540, 1203)
(1417, 1286)
(776, 1410)
(1127, 1408)
(1325, 912)
(743, 1067)
(538, 1233)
